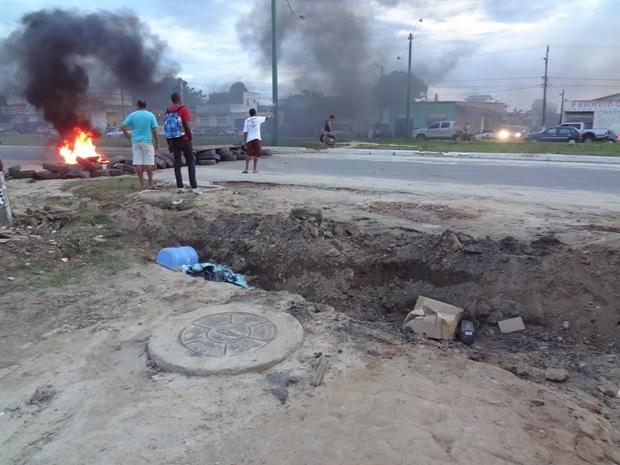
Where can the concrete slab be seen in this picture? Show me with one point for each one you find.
(225, 339)
(511, 325)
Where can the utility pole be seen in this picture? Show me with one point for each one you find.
(181, 88)
(562, 107)
(409, 80)
(408, 133)
(380, 96)
(546, 82)
(274, 72)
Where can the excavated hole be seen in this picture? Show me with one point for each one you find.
(377, 273)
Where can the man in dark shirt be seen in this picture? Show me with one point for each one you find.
(183, 145)
(328, 128)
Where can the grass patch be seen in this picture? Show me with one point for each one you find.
(28, 277)
(102, 189)
(600, 149)
(99, 218)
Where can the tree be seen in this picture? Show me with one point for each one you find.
(391, 89)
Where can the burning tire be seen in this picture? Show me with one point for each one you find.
(46, 175)
(22, 174)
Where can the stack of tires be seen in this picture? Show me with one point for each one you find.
(226, 154)
(207, 157)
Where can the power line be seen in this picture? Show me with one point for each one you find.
(490, 79)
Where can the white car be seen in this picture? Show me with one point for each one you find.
(116, 132)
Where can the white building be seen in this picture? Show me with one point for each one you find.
(601, 113)
(227, 110)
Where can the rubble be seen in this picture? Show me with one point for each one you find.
(558, 375)
(94, 167)
(511, 325)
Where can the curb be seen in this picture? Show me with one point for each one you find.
(483, 156)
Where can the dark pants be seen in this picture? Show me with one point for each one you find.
(184, 147)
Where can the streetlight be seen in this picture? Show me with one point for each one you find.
(274, 66)
(409, 80)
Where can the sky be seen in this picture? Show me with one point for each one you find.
(462, 47)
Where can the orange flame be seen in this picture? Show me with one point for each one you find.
(81, 146)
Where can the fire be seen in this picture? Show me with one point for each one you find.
(82, 145)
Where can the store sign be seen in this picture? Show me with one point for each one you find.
(592, 105)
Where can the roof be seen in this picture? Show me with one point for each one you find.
(609, 97)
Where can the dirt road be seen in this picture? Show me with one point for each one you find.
(76, 384)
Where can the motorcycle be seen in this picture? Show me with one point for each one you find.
(327, 138)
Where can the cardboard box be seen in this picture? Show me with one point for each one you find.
(434, 319)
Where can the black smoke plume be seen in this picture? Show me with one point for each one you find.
(56, 52)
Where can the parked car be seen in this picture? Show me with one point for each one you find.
(588, 134)
(114, 132)
(612, 137)
(439, 130)
(557, 134)
(485, 134)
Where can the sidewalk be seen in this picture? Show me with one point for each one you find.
(471, 155)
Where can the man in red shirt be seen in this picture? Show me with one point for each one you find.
(183, 145)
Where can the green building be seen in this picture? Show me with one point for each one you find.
(480, 115)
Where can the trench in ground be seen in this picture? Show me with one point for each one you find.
(376, 273)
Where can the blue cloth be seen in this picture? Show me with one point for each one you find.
(215, 272)
(141, 122)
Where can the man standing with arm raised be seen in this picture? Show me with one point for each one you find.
(252, 139)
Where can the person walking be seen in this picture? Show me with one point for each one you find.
(144, 142)
(252, 139)
(179, 135)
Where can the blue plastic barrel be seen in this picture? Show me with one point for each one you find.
(174, 257)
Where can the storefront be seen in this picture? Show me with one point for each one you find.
(602, 113)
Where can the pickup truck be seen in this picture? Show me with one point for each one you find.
(439, 130)
(588, 135)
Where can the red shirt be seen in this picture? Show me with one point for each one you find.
(183, 113)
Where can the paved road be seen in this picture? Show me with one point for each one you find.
(563, 183)
(575, 183)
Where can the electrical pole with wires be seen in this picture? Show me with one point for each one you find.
(546, 83)
(274, 72)
(562, 107)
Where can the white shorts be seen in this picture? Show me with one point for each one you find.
(143, 154)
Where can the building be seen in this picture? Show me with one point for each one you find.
(104, 108)
(228, 110)
(480, 115)
(603, 112)
(108, 108)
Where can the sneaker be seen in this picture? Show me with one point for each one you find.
(196, 191)
(180, 190)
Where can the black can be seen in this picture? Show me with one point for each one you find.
(467, 332)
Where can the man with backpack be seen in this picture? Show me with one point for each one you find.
(179, 135)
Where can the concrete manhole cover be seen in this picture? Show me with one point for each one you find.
(228, 333)
(225, 339)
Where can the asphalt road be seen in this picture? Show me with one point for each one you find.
(579, 183)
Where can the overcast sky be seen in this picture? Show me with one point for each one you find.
(462, 47)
